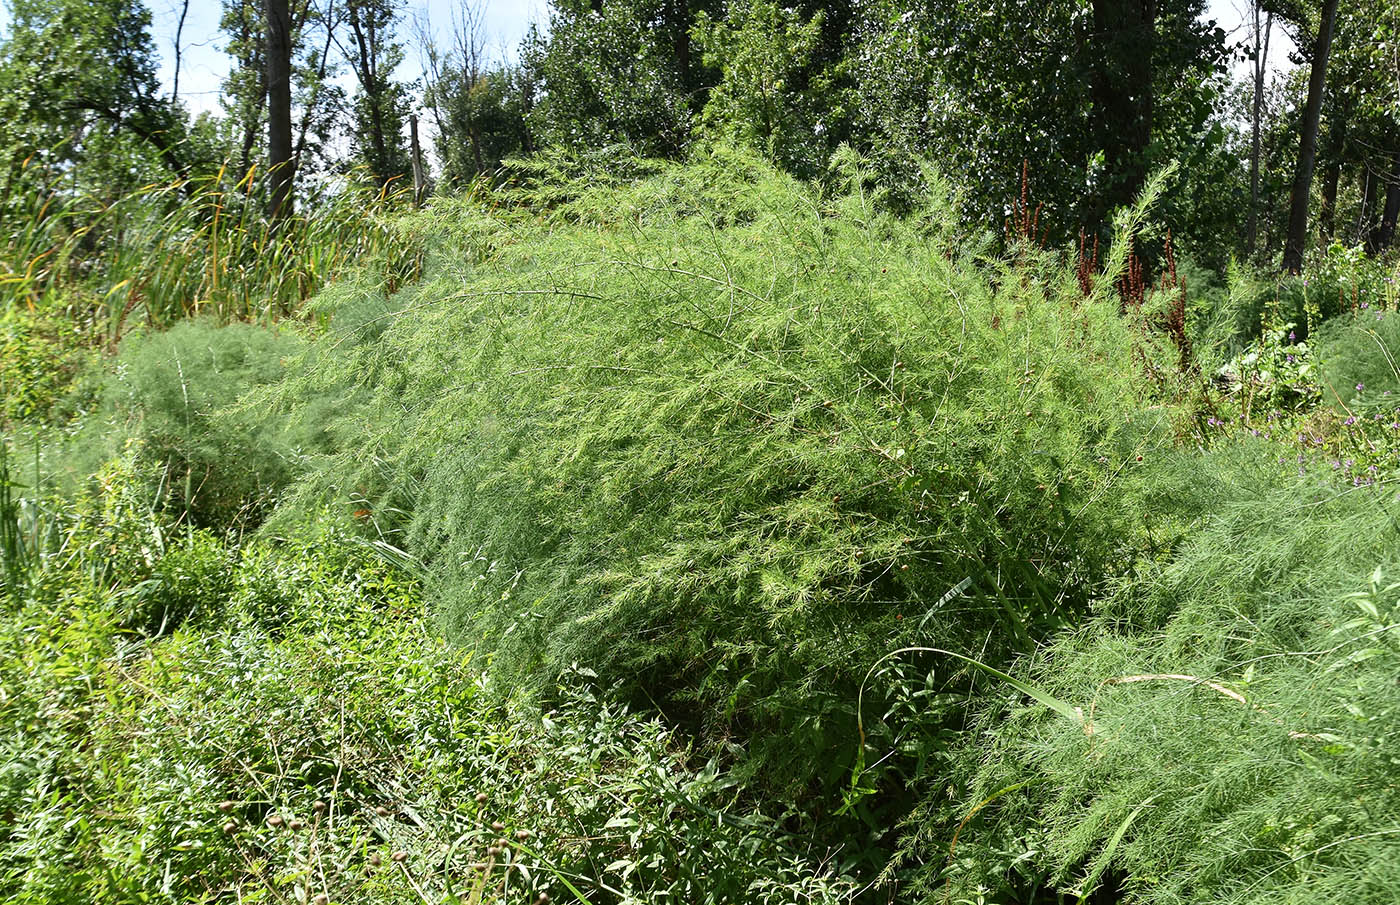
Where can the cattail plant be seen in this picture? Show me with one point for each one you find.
(199, 246)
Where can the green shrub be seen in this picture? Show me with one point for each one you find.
(727, 442)
(38, 361)
(16, 538)
(108, 534)
(172, 396)
(1338, 280)
(192, 578)
(343, 750)
(1239, 748)
(1222, 319)
(1361, 361)
(733, 446)
(1340, 284)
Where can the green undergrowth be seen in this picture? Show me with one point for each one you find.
(1238, 730)
(1362, 361)
(39, 361)
(169, 398)
(727, 441)
(689, 534)
(172, 393)
(292, 727)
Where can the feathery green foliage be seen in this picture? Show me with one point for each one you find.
(1361, 360)
(1248, 727)
(728, 441)
(171, 395)
(899, 532)
(38, 362)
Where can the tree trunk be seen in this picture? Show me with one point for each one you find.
(419, 180)
(279, 107)
(1261, 57)
(1327, 214)
(1307, 152)
(179, 35)
(1122, 44)
(1384, 234)
(680, 37)
(365, 43)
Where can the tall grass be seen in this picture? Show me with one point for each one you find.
(200, 246)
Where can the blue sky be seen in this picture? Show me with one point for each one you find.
(204, 64)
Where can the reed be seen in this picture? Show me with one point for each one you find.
(167, 251)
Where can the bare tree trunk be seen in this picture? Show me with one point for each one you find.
(680, 37)
(279, 107)
(1384, 234)
(1261, 57)
(365, 40)
(316, 88)
(418, 179)
(1124, 34)
(179, 34)
(1307, 154)
(1327, 214)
